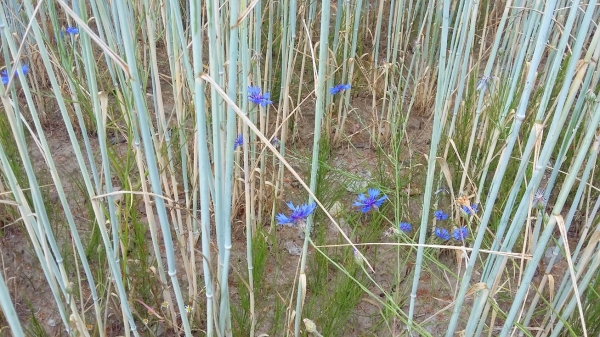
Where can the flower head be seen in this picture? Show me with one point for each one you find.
(255, 96)
(298, 216)
(188, 309)
(275, 142)
(72, 30)
(460, 234)
(470, 210)
(239, 141)
(370, 201)
(357, 257)
(405, 227)
(483, 82)
(4, 74)
(442, 234)
(338, 88)
(539, 199)
(440, 215)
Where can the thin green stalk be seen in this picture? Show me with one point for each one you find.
(249, 234)
(142, 114)
(503, 163)
(225, 239)
(10, 314)
(582, 185)
(42, 211)
(256, 212)
(249, 156)
(46, 262)
(548, 230)
(591, 272)
(288, 38)
(435, 139)
(355, 26)
(204, 163)
(563, 105)
(319, 111)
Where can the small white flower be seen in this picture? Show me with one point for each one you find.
(539, 199)
(357, 257)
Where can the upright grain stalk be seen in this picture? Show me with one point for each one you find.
(503, 163)
(149, 150)
(321, 91)
(435, 139)
(203, 161)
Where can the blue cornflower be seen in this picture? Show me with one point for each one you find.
(405, 227)
(256, 97)
(275, 142)
(440, 215)
(238, 141)
(338, 88)
(460, 234)
(72, 30)
(470, 211)
(442, 233)
(298, 216)
(366, 203)
(4, 74)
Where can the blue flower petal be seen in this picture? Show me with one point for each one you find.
(405, 227)
(442, 234)
(253, 91)
(460, 234)
(470, 211)
(340, 87)
(72, 30)
(254, 96)
(366, 203)
(440, 215)
(298, 215)
(239, 141)
(4, 73)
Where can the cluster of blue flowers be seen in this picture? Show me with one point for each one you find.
(372, 200)
(4, 74)
(459, 234)
(365, 202)
(255, 96)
